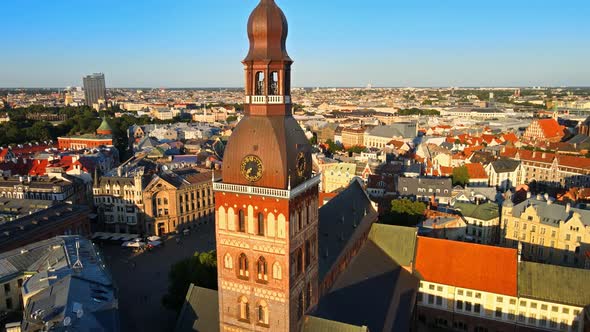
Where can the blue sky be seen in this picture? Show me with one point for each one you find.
(200, 43)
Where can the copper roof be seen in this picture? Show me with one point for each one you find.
(276, 140)
(267, 31)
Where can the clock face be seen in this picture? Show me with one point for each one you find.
(251, 168)
(301, 164)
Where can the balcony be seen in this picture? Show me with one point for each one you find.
(268, 99)
(271, 192)
(275, 99)
(258, 99)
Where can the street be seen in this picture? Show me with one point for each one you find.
(142, 278)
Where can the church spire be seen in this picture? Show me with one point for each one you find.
(268, 65)
(268, 148)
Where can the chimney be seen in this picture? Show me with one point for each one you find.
(519, 251)
(568, 208)
(529, 195)
(534, 154)
(539, 197)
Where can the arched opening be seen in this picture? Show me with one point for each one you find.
(271, 222)
(244, 308)
(228, 261)
(259, 84)
(308, 295)
(221, 218)
(299, 262)
(241, 221)
(260, 224)
(307, 256)
(277, 271)
(273, 87)
(300, 307)
(263, 313)
(262, 269)
(243, 266)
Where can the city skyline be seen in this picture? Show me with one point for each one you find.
(395, 45)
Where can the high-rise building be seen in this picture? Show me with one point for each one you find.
(95, 89)
(267, 204)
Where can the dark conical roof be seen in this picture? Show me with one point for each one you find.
(267, 31)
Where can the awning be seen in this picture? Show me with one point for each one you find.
(106, 236)
(97, 235)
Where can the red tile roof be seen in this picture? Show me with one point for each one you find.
(550, 128)
(476, 171)
(510, 137)
(468, 265)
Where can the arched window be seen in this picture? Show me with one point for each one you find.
(299, 262)
(273, 87)
(241, 221)
(259, 83)
(300, 307)
(277, 271)
(244, 308)
(308, 295)
(307, 256)
(243, 261)
(262, 269)
(228, 261)
(261, 224)
(263, 313)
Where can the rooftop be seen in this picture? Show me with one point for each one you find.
(467, 265)
(553, 283)
(70, 288)
(485, 211)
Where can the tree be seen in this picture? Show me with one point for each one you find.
(231, 119)
(355, 149)
(404, 212)
(460, 176)
(200, 269)
(313, 140)
(333, 147)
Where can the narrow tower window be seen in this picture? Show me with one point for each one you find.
(273, 88)
(259, 83)
(241, 221)
(299, 262)
(263, 313)
(277, 271)
(244, 308)
(261, 224)
(262, 268)
(243, 262)
(300, 307)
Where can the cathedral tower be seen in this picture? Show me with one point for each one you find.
(267, 204)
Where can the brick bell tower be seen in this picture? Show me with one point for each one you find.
(267, 204)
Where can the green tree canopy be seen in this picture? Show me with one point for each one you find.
(333, 147)
(404, 212)
(460, 176)
(200, 269)
(355, 149)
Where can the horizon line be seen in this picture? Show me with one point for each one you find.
(333, 87)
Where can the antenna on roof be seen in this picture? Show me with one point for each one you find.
(77, 264)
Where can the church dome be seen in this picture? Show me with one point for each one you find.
(267, 31)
